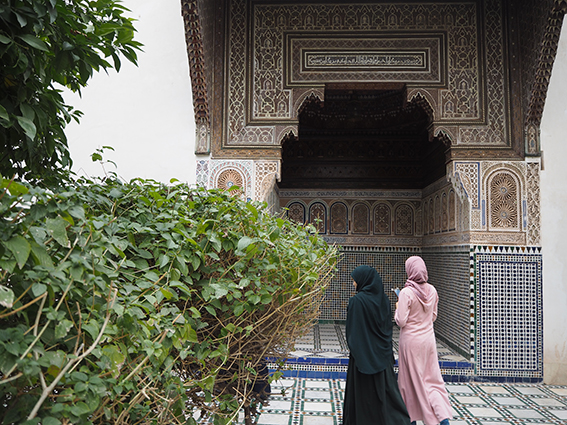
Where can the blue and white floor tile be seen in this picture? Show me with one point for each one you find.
(312, 391)
(323, 353)
(319, 402)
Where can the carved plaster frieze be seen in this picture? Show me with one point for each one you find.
(264, 89)
(497, 238)
(373, 241)
(533, 203)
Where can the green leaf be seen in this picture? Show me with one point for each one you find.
(92, 328)
(239, 309)
(80, 376)
(191, 334)
(77, 212)
(57, 228)
(115, 193)
(20, 247)
(27, 111)
(81, 408)
(38, 289)
(220, 290)
(21, 19)
(8, 265)
(34, 42)
(253, 210)
(62, 328)
(244, 242)
(28, 126)
(17, 189)
(4, 39)
(49, 420)
(41, 256)
(80, 387)
(163, 261)
(6, 297)
(116, 358)
(4, 113)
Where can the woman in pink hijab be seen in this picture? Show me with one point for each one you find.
(419, 378)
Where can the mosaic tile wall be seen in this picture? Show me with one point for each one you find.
(449, 273)
(508, 290)
(390, 263)
(490, 307)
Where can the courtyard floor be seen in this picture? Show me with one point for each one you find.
(319, 402)
(312, 391)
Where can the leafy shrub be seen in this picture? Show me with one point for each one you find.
(145, 303)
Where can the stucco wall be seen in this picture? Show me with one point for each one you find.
(554, 220)
(145, 113)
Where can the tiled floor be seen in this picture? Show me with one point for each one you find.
(319, 402)
(303, 398)
(328, 340)
(323, 353)
(303, 401)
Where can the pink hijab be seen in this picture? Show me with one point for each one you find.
(417, 278)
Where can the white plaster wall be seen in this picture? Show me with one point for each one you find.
(554, 220)
(145, 113)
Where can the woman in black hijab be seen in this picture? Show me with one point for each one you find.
(372, 396)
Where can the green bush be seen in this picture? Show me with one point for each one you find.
(143, 303)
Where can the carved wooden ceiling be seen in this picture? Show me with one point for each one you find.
(362, 137)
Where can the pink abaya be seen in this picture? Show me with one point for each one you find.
(419, 377)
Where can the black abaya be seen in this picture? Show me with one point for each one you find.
(373, 399)
(372, 396)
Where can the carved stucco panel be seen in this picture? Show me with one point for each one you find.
(360, 218)
(452, 210)
(297, 212)
(265, 175)
(225, 174)
(262, 94)
(497, 238)
(382, 219)
(533, 201)
(503, 199)
(339, 218)
(404, 219)
(504, 204)
(318, 216)
(202, 173)
(468, 174)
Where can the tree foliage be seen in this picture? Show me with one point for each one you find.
(141, 303)
(44, 43)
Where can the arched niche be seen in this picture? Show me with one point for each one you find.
(363, 136)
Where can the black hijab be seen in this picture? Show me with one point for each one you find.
(369, 323)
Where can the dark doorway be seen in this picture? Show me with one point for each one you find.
(364, 136)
